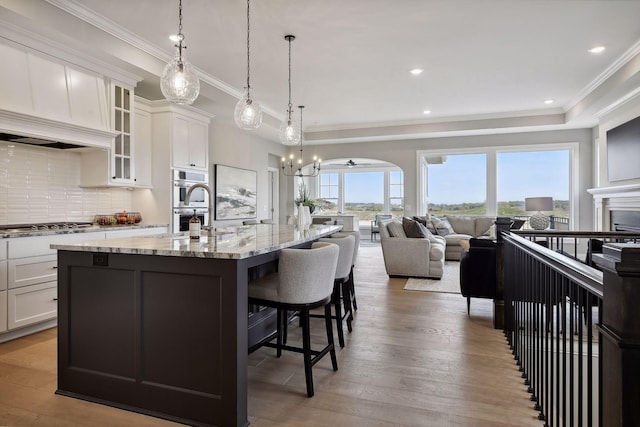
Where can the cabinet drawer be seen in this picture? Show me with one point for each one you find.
(3, 249)
(32, 304)
(3, 311)
(41, 245)
(32, 270)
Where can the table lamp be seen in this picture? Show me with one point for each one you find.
(538, 221)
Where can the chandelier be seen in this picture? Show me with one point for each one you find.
(179, 82)
(288, 167)
(289, 134)
(248, 112)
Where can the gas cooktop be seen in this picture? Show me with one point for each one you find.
(43, 226)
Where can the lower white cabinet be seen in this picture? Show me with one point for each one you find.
(3, 311)
(32, 304)
(32, 270)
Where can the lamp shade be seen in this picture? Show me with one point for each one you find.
(538, 204)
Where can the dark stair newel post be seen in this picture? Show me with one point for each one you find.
(620, 326)
(503, 223)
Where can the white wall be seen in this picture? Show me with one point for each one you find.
(43, 185)
(403, 154)
(231, 146)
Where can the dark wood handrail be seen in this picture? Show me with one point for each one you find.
(588, 277)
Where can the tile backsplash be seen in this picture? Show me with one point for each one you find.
(43, 185)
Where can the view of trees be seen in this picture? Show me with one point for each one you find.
(511, 208)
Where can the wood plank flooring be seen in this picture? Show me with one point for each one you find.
(413, 359)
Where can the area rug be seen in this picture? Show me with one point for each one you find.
(450, 282)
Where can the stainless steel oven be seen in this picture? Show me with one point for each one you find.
(182, 180)
(181, 217)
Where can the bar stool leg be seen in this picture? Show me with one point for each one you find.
(337, 304)
(346, 301)
(352, 285)
(329, 327)
(306, 349)
(279, 330)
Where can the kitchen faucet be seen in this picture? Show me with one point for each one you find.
(209, 226)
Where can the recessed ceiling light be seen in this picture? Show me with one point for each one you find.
(427, 111)
(549, 101)
(596, 49)
(416, 71)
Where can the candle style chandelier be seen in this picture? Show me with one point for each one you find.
(291, 169)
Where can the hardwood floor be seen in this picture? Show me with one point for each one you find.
(413, 359)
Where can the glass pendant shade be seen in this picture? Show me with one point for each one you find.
(289, 131)
(179, 82)
(248, 112)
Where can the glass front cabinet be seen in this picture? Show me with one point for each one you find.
(122, 152)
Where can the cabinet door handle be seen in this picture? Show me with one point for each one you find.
(55, 267)
(55, 299)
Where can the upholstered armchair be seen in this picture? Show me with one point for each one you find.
(410, 257)
(478, 270)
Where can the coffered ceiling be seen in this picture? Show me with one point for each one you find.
(489, 65)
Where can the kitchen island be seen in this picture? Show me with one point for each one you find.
(158, 324)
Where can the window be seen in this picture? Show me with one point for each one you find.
(365, 192)
(328, 193)
(496, 181)
(533, 174)
(396, 192)
(457, 184)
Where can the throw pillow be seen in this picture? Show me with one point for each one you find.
(426, 221)
(412, 228)
(395, 229)
(442, 226)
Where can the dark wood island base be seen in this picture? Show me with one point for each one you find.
(160, 328)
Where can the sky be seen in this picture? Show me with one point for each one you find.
(462, 178)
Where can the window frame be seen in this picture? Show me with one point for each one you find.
(492, 172)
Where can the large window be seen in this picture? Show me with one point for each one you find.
(496, 181)
(457, 184)
(364, 193)
(533, 174)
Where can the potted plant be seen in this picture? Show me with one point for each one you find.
(303, 197)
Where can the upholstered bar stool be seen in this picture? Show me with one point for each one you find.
(304, 281)
(341, 295)
(352, 286)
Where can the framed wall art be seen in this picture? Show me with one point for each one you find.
(236, 193)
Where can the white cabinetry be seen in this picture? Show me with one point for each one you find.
(184, 131)
(29, 278)
(118, 166)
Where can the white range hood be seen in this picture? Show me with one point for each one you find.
(46, 99)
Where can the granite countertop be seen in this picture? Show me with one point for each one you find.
(227, 243)
(91, 229)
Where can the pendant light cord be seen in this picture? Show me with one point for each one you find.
(180, 36)
(248, 57)
(290, 110)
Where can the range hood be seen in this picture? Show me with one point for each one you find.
(19, 139)
(52, 104)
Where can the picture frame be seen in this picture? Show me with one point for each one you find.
(236, 193)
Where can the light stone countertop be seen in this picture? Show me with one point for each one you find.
(227, 243)
(91, 229)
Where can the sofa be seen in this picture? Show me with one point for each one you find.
(410, 256)
(456, 229)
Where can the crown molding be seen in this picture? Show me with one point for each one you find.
(620, 102)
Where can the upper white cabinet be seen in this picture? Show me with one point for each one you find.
(182, 133)
(128, 162)
(190, 142)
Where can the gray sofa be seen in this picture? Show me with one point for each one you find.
(410, 257)
(456, 229)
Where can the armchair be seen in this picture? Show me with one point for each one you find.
(478, 270)
(375, 229)
(410, 257)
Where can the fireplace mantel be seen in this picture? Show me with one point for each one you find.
(607, 199)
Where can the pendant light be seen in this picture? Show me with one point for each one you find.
(289, 134)
(289, 168)
(179, 82)
(248, 113)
